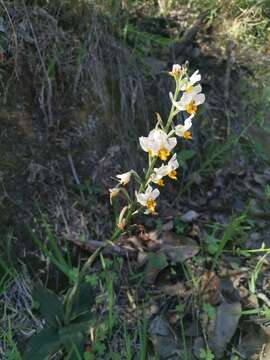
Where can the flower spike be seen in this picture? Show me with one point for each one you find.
(159, 144)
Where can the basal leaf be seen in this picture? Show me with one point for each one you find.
(85, 299)
(73, 331)
(45, 343)
(51, 307)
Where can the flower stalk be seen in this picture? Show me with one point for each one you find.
(159, 145)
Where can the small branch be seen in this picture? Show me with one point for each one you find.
(75, 175)
(74, 172)
(106, 248)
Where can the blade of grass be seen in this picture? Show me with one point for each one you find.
(143, 338)
(229, 232)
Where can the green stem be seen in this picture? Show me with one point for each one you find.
(172, 114)
(167, 127)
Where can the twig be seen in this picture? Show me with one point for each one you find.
(74, 172)
(105, 247)
(75, 175)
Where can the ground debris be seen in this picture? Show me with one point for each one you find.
(226, 323)
(164, 339)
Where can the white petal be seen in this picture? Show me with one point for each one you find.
(172, 142)
(153, 133)
(179, 130)
(186, 98)
(199, 99)
(155, 194)
(196, 90)
(176, 67)
(188, 123)
(162, 171)
(190, 117)
(195, 77)
(124, 178)
(173, 163)
(144, 142)
(141, 198)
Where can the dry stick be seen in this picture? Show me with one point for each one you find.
(75, 175)
(108, 248)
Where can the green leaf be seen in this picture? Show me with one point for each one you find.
(50, 306)
(88, 356)
(206, 354)
(99, 348)
(73, 336)
(158, 260)
(209, 310)
(92, 279)
(84, 300)
(212, 244)
(75, 348)
(73, 332)
(187, 154)
(45, 343)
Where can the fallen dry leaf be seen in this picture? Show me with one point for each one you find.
(177, 248)
(209, 288)
(226, 322)
(177, 289)
(253, 342)
(164, 339)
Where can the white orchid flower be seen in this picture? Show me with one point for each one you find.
(176, 71)
(183, 130)
(147, 199)
(124, 178)
(189, 101)
(165, 170)
(157, 143)
(172, 166)
(159, 174)
(189, 84)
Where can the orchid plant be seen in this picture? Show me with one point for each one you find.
(159, 146)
